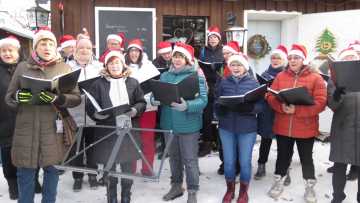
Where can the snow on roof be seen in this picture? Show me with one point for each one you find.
(9, 24)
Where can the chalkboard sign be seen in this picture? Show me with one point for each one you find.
(134, 22)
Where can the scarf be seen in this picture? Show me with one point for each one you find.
(274, 71)
(43, 63)
(118, 93)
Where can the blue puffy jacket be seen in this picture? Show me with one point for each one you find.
(190, 120)
(266, 118)
(233, 121)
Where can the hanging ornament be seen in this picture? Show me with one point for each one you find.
(258, 46)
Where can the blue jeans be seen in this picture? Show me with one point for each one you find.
(25, 179)
(245, 144)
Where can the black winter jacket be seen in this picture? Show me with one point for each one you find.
(100, 91)
(7, 115)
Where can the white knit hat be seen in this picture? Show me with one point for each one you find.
(241, 58)
(10, 40)
(43, 33)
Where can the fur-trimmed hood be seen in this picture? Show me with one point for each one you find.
(105, 73)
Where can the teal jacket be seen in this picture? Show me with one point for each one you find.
(190, 120)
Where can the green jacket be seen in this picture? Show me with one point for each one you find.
(190, 120)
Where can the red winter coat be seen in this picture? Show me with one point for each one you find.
(304, 123)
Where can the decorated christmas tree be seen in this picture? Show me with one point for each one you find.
(326, 43)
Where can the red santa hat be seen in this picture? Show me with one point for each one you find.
(120, 37)
(348, 52)
(43, 33)
(281, 50)
(10, 40)
(135, 43)
(67, 40)
(185, 49)
(164, 47)
(299, 50)
(113, 53)
(233, 47)
(213, 30)
(241, 58)
(355, 45)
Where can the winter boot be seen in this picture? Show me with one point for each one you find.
(353, 174)
(111, 189)
(205, 149)
(77, 186)
(277, 188)
(260, 173)
(13, 189)
(175, 191)
(191, 196)
(310, 196)
(287, 180)
(243, 195)
(38, 188)
(126, 185)
(230, 192)
(93, 182)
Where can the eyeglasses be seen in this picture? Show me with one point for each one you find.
(294, 58)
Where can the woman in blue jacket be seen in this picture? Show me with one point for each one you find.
(278, 62)
(185, 120)
(237, 126)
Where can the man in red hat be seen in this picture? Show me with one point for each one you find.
(163, 60)
(67, 47)
(211, 53)
(115, 41)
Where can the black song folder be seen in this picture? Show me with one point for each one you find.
(249, 97)
(295, 96)
(346, 74)
(166, 93)
(86, 84)
(262, 80)
(210, 69)
(114, 110)
(62, 83)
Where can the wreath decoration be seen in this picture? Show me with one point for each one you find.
(258, 46)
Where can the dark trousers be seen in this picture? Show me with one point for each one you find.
(339, 181)
(9, 169)
(126, 183)
(265, 146)
(207, 131)
(285, 147)
(86, 140)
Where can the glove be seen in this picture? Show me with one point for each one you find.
(23, 96)
(154, 102)
(49, 97)
(132, 113)
(179, 106)
(339, 91)
(100, 116)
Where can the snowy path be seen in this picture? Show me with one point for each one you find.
(212, 186)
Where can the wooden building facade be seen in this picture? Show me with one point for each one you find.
(80, 13)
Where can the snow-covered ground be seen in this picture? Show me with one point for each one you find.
(212, 186)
